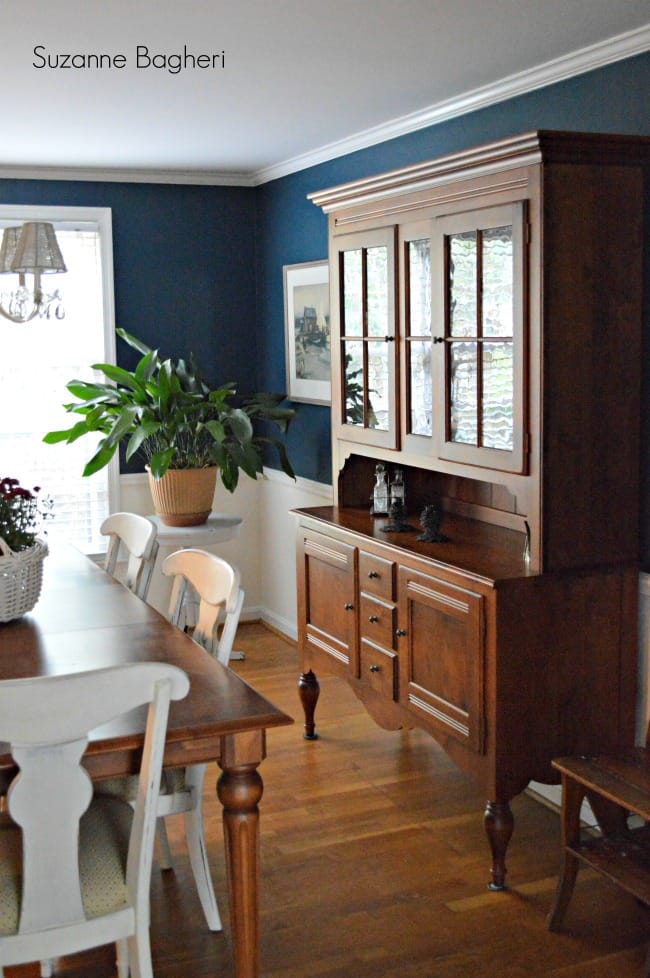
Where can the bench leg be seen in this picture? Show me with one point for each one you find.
(572, 798)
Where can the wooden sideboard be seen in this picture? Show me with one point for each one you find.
(486, 340)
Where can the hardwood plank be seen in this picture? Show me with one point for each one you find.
(374, 864)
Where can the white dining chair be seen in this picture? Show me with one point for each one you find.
(75, 867)
(218, 587)
(137, 535)
(217, 584)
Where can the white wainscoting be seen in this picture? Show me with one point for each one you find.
(265, 550)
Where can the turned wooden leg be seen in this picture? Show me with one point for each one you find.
(572, 797)
(499, 824)
(309, 691)
(239, 789)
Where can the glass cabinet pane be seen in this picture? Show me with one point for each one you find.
(480, 336)
(366, 282)
(419, 383)
(464, 393)
(353, 383)
(378, 386)
(377, 272)
(497, 282)
(420, 386)
(419, 287)
(497, 395)
(463, 296)
(352, 324)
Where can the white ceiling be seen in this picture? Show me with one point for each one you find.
(303, 80)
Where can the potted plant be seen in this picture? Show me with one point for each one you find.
(21, 552)
(185, 429)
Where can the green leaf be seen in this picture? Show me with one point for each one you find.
(120, 376)
(147, 366)
(133, 341)
(55, 437)
(139, 436)
(284, 458)
(229, 475)
(86, 392)
(240, 425)
(123, 425)
(100, 459)
(216, 429)
(160, 462)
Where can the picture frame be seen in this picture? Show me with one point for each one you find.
(307, 332)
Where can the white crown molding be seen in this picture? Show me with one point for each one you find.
(598, 55)
(587, 59)
(126, 175)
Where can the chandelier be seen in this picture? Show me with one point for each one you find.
(31, 249)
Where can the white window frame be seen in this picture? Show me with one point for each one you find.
(72, 217)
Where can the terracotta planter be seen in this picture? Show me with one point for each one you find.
(183, 497)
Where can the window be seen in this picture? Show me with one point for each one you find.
(40, 357)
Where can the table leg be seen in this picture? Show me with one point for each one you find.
(239, 789)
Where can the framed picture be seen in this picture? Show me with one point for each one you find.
(307, 332)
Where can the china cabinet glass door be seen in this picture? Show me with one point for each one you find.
(479, 337)
(365, 281)
(415, 314)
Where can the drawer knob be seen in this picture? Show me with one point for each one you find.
(375, 668)
(400, 633)
(373, 618)
(373, 574)
(348, 607)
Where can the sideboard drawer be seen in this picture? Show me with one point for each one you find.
(376, 575)
(379, 669)
(377, 620)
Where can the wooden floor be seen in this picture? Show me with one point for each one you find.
(375, 865)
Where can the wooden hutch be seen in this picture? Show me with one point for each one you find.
(486, 340)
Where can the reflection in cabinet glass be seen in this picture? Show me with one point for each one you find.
(365, 315)
(366, 292)
(479, 298)
(481, 329)
(418, 336)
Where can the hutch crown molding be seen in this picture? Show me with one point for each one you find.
(486, 341)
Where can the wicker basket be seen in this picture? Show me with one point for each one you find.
(21, 576)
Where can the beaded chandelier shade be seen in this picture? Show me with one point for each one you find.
(31, 249)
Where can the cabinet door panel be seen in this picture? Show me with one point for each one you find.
(363, 337)
(328, 594)
(480, 326)
(415, 337)
(442, 628)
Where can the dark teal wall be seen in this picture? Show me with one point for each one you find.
(200, 268)
(183, 266)
(291, 229)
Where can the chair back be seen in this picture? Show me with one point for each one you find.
(218, 586)
(138, 535)
(46, 721)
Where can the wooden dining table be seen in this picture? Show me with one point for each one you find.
(84, 619)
